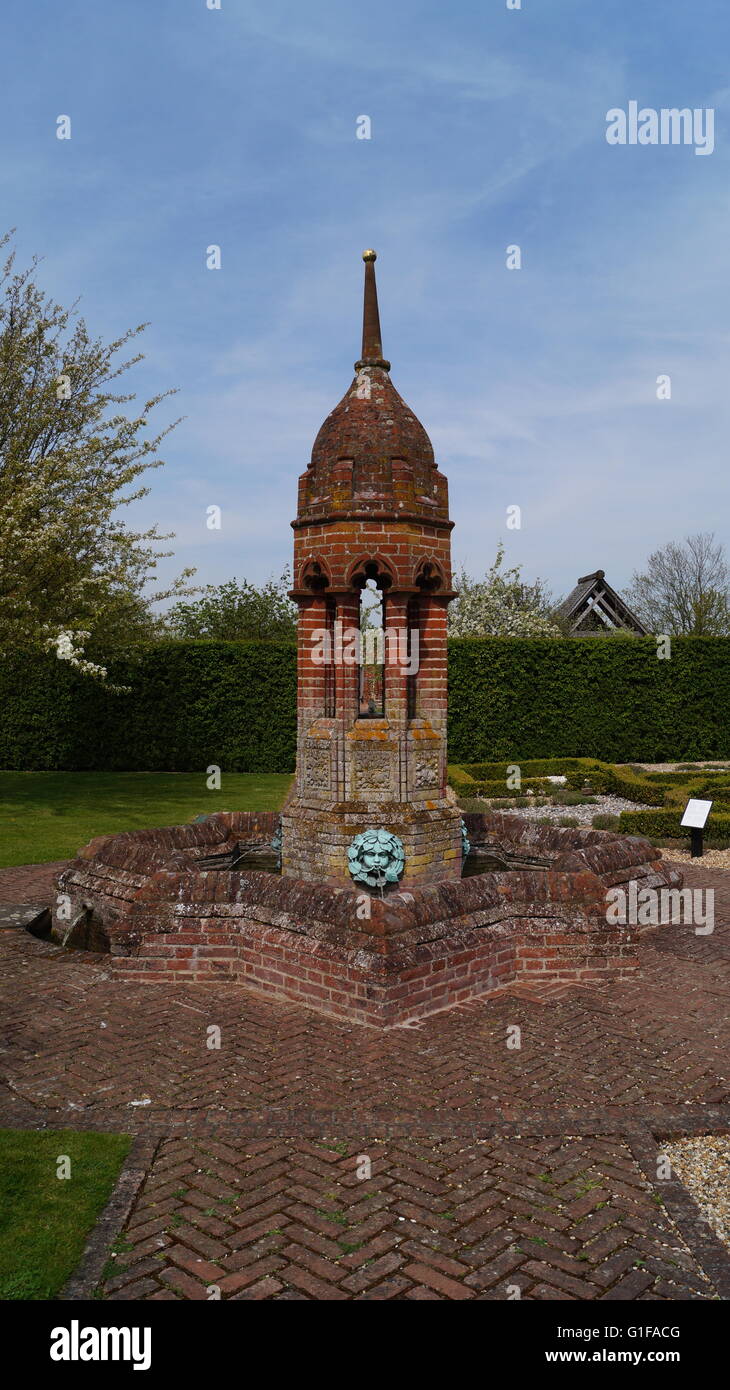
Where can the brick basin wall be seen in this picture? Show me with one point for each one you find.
(381, 994)
(410, 954)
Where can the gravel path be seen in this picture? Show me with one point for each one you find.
(677, 767)
(711, 859)
(703, 1165)
(602, 806)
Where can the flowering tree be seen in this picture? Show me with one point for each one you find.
(501, 605)
(69, 458)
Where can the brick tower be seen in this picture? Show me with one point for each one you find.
(372, 511)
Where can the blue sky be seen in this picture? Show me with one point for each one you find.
(237, 127)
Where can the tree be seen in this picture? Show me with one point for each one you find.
(236, 610)
(685, 589)
(69, 458)
(501, 605)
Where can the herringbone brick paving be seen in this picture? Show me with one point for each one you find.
(95, 1047)
(568, 1218)
(470, 1150)
(29, 883)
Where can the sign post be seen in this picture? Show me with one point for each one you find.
(695, 819)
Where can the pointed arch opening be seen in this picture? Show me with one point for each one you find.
(373, 576)
(429, 577)
(314, 576)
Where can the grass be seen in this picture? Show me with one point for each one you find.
(44, 1219)
(50, 815)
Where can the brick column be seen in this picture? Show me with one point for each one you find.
(396, 686)
(310, 674)
(433, 656)
(347, 677)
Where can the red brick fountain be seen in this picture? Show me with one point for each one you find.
(370, 918)
(372, 506)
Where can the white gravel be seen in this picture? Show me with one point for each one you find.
(602, 806)
(677, 767)
(711, 859)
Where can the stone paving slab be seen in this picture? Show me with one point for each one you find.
(446, 1102)
(14, 916)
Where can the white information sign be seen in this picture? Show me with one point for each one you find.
(695, 814)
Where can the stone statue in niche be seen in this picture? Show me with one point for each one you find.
(376, 857)
(276, 844)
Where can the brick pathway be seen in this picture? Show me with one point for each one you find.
(29, 883)
(550, 1218)
(491, 1167)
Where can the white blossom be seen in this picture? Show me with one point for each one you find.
(500, 605)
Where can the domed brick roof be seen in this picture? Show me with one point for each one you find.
(372, 456)
(372, 419)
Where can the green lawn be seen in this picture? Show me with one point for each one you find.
(44, 1218)
(50, 815)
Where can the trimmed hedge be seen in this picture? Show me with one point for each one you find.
(619, 781)
(490, 780)
(191, 704)
(234, 704)
(532, 767)
(666, 825)
(520, 698)
(498, 787)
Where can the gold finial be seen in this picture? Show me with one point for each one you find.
(370, 255)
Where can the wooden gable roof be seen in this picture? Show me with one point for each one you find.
(594, 607)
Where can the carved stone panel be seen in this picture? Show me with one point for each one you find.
(427, 771)
(317, 772)
(372, 770)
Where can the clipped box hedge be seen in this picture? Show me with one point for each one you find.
(531, 767)
(633, 784)
(660, 825)
(498, 787)
(490, 779)
(619, 781)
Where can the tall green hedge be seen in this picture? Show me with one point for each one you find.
(190, 704)
(233, 703)
(512, 698)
